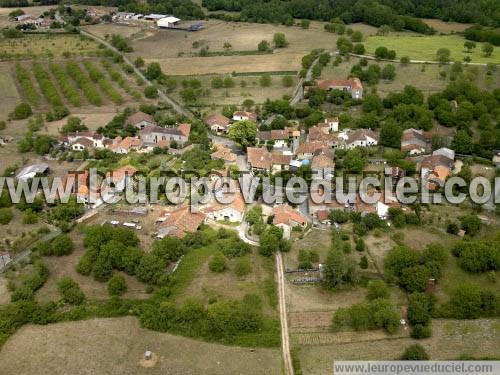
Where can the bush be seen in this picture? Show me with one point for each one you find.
(415, 352)
(379, 313)
(30, 217)
(419, 308)
(70, 291)
(21, 111)
(421, 332)
(217, 263)
(117, 285)
(243, 267)
(62, 245)
(279, 40)
(6, 215)
(377, 289)
(150, 92)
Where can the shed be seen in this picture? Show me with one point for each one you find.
(167, 22)
(31, 171)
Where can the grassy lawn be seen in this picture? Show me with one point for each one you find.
(425, 47)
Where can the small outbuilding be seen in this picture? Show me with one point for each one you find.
(167, 22)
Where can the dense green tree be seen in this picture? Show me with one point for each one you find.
(243, 133)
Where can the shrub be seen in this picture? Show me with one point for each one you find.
(243, 267)
(117, 285)
(415, 352)
(419, 308)
(421, 332)
(217, 263)
(150, 92)
(363, 263)
(279, 40)
(287, 81)
(62, 245)
(265, 80)
(377, 289)
(21, 111)
(360, 245)
(120, 43)
(6, 215)
(70, 291)
(30, 217)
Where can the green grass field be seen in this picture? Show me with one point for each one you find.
(425, 47)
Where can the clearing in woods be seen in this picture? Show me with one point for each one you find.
(117, 346)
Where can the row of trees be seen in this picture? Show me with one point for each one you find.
(367, 11)
(84, 82)
(98, 77)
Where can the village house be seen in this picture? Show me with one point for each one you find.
(352, 86)
(285, 217)
(322, 163)
(179, 222)
(280, 138)
(232, 212)
(217, 123)
(152, 135)
(361, 138)
(81, 144)
(244, 115)
(436, 168)
(140, 120)
(306, 150)
(79, 141)
(414, 142)
(261, 160)
(321, 133)
(125, 145)
(224, 153)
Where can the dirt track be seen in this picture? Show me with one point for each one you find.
(285, 343)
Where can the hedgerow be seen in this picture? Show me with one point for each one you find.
(84, 82)
(64, 83)
(97, 76)
(26, 83)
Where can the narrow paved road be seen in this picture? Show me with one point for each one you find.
(299, 89)
(285, 341)
(175, 106)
